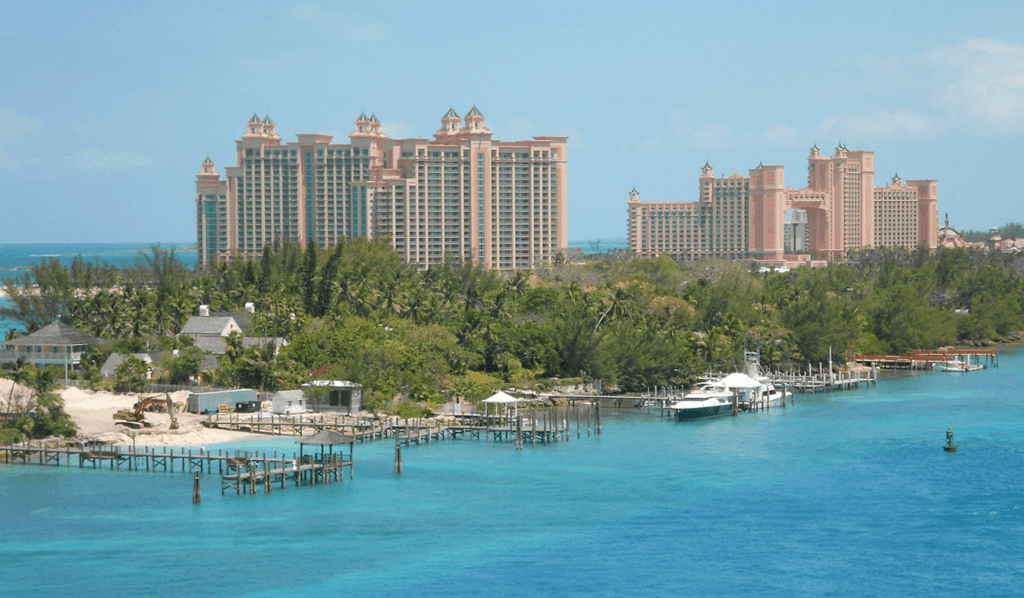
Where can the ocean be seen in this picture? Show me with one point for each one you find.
(17, 259)
(843, 494)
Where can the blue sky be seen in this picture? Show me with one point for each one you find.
(107, 109)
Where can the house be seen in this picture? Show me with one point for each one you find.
(54, 344)
(335, 395)
(210, 326)
(209, 332)
(109, 367)
(288, 402)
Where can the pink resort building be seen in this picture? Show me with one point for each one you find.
(462, 196)
(758, 217)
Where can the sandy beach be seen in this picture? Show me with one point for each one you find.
(93, 412)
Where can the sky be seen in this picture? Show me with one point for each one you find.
(107, 109)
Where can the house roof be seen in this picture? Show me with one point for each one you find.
(213, 325)
(55, 334)
(218, 344)
(242, 318)
(289, 394)
(327, 437)
(211, 344)
(109, 367)
(207, 363)
(334, 384)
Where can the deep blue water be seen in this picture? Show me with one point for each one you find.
(847, 494)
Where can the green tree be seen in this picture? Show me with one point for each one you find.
(130, 375)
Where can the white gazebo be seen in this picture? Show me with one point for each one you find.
(501, 398)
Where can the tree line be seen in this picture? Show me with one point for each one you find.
(455, 331)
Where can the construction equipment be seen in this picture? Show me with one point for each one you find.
(136, 418)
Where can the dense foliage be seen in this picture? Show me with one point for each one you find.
(356, 312)
(1012, 230)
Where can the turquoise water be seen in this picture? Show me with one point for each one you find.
(16, 259)
(599, 245)
(847, 494)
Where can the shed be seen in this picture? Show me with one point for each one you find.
(341, 395)
(207, 402)
(288, 402)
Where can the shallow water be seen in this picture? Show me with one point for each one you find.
(845, 494)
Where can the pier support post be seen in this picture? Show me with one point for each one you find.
(398, 457)
(196, 498)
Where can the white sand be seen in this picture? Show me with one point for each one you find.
(93, 412)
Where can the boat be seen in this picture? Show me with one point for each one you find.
(956, 365)
(711, 399)
(715, 398)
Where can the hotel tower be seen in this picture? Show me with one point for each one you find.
(744, 217)
(462, 196)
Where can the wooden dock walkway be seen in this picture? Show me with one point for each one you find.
(926, 359)
(547, 424)
(238, 470)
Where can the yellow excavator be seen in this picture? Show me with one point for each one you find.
(136, 418)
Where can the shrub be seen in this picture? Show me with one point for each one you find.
(408, 410)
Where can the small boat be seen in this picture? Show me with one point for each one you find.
(956, 365)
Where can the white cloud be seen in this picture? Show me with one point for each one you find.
(397, 129)
(575, 139)
(715, 136)
(679, 120)
(646, 146)
(93, 158)
(12, 127)
(881, 124)
(704, 135)
(519, 129)
(783, 136)
(982, 79)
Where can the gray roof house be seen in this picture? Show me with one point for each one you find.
(216, 326)
(109, 367)
(54, 344)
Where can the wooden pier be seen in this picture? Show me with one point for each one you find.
(546, 424)
(238, 470)
(926, 359)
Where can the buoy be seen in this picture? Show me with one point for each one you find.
(949, 447)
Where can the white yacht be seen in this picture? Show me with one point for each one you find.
(715, 398)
